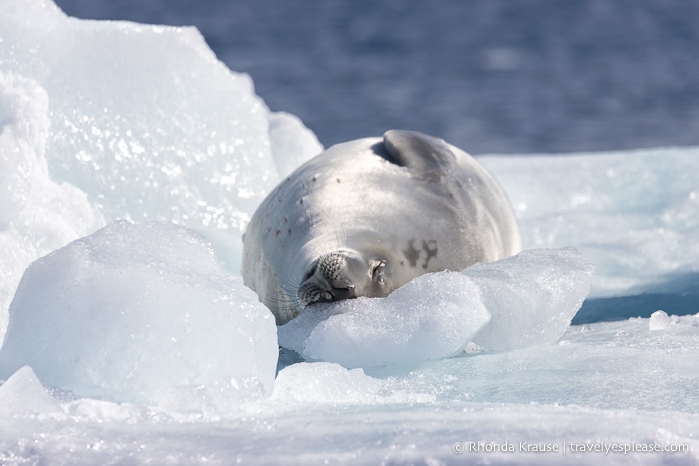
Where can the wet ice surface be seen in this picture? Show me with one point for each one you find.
(105, 121)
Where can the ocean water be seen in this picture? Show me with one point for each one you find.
(487, 75)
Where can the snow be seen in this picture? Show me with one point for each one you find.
(324, 382)
(22, 395)
(131, 159)
(659, 320)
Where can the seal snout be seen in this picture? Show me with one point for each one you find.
(331, 278)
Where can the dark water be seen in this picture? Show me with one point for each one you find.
(488, 75)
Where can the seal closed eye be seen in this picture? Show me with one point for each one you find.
(365, 217)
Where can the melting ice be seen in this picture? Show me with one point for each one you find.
(133, 341)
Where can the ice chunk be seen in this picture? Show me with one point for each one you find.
(133, 310)
(532, 297)
(674, 326)
(525, 300)
(89, 409)
(432, 317)
(659, 320)
(145, 124)
(22, 394)
(36, 214)
(148, 123)
(323, 382)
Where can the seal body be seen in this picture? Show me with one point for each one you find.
(365, 217)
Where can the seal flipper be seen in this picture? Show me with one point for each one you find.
(428, 156)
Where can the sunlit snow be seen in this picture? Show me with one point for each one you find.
(130, 161)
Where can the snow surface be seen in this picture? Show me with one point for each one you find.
(101, 121)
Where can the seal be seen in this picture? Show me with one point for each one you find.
(365, 217)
